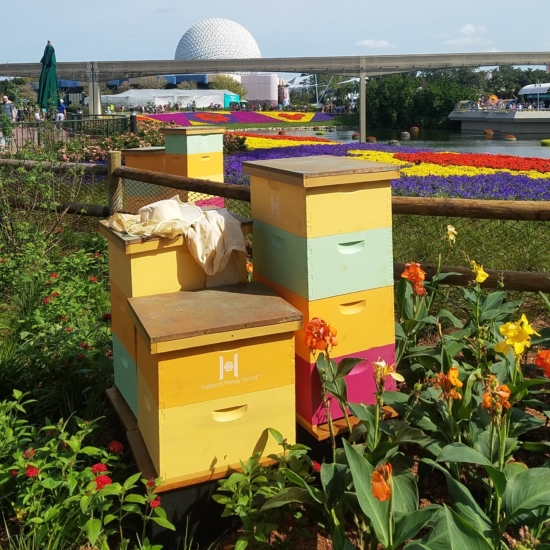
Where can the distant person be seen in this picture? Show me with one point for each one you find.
(8, 108)
(61, 111)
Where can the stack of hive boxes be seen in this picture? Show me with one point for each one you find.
(215, 371)
(323, 241)
(190, 152)
(146, 267)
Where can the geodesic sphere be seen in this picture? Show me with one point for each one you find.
(217, 39)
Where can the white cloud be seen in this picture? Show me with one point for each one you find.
(469, 35)
(369, 43)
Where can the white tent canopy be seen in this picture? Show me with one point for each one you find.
(202, 98)
(534, 89)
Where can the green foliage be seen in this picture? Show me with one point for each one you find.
(59, 490)
(233, 143)
(226, 82)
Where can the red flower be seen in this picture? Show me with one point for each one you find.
(155, 503)
(102, 481)
(116, 447)
(316, 466)
(93, 279)
(84, 345)
(69, 329)
(98, 468)
(46, 300)
(106, 316)
(151, 483)
(13, 473)
(55, 294)
(97, 255)
(29, 453)
(31, 471)
(81, 357)
(54, 276)
(63, 318)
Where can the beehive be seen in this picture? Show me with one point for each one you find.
(215, 370)
(323, 241)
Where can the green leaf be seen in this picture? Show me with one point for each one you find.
(139, 499)
(463, 502)
(522, 422)
(514, 468)
(377, 512)
(316, 494)
(276, 435)
(414, 545)
(405, 492)
(408, 525)
(241, 544)
(458, 452)
(333, 479)
(131, 481)
(452, 532)
(286, 496)
(346, 366)
(108, 518)
(526, 491)
(445, 314)
(50, 483)
(163, 522)
(92, 528)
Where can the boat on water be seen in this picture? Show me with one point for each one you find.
(529, 113)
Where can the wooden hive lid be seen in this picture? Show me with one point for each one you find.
(320, 170)
(186, 319)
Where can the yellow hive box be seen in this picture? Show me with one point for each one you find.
(321, 196)
(208, 440)
(193, 375)
(148, 266)
(145, 158)
(364, 320)
(203, 165)
(215, 368)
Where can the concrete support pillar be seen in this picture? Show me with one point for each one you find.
(94, 105)
(362, 107)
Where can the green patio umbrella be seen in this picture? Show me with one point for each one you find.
(48, 94)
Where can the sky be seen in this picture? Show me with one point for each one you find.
(119, 30)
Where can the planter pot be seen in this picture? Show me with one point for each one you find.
(393, 142)
(371, 139)
(545, 142)
(405, 135)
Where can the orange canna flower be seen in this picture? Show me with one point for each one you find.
(543, 361)
(448, 383)
(249, 266)
(320, 335)
(380, 481)
(416, 276)
(495, 397)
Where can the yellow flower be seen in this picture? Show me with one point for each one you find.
(478, 272)
(451, 234)
(383, 370)
(516, 335)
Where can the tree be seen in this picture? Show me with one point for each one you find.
(187, 85)
(152, 83)
(124, 87)
(226, 82)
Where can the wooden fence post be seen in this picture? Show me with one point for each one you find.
(114, 160)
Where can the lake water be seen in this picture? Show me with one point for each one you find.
(443, 141)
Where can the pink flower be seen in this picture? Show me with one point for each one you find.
(316, 466)
(93, 279)
(155, 503)
(13, 473)
(29, 453)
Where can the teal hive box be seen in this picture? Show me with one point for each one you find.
(323, 267)
(125, 374)
(193, 141)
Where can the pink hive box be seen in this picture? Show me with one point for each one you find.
(361, 387)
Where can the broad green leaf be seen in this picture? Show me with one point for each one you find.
(241, 544)
(92, 528)
(514, 468)
(316, 494)
(458, 452)
(50, 483)
(139, 499)
(405, 492)
(452, 532)
(347, 365)
(446, 314)
(526, 491)
(522, 422)
(414, 545)
(408, 525)
(333, 479)
(131, 481)
(377, 512)
(108, 518)
(286, 496)
(464, 503)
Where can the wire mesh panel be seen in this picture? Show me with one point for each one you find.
(497, 244)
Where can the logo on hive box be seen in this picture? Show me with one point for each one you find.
(228, 366)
